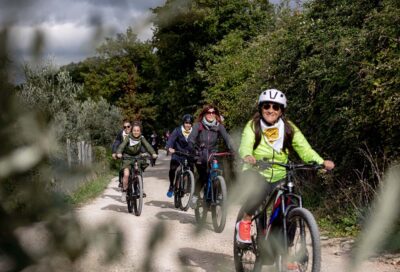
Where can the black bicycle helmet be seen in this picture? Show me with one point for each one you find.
(187, 118)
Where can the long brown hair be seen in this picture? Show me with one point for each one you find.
(288, 137)
(207, 108)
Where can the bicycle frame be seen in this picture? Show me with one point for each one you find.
(183, 166)
(213, 172)
(282, 199)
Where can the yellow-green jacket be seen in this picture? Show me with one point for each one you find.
(264, 150)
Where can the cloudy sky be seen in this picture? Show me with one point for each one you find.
(70, 26)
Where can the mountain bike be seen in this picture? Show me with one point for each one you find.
(214, 195)
(134, 193)
(289, 238)
(184, 183)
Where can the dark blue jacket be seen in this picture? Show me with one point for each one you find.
(118, 140)
(178, 142)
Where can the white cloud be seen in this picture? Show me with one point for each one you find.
(70, 26)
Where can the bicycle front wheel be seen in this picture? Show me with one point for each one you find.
(219, 208)
(138, 200)
(186, 190)
(304, 248)
(177, 190)
(201, 210)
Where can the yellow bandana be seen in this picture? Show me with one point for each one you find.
(185, 132)
(272, 134)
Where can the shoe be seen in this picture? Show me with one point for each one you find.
(123, 196)
(144, 195)
(170, 192)
(243, 229)
(193, 203)
(293, 267)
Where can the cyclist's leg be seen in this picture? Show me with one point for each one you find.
(260, 189)
(172, 169)
(125, 169)
(202, 171)
(125, 179)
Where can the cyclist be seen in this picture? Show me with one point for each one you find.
(178, 141)
(132, 146)
(122, 134)
(270, 135)
(204, 140)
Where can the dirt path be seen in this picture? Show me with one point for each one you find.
(182, 249)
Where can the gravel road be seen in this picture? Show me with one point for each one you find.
(182, 248)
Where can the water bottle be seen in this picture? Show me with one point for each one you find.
(215, 164)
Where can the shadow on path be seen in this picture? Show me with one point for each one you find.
(161, 204)
(182, 217)
(115, 197)
(116, 208)
(207, 260)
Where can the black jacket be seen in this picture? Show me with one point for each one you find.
(204, 140)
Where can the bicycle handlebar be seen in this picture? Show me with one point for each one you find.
(137, 157)
(265, 164)
(219, 154)
(184, 154)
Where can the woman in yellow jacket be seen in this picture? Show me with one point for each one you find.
(270, 135)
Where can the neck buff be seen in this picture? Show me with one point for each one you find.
(185, 132)
(209, 124)
(274, 134)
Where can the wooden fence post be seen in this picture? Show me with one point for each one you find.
(69, 152)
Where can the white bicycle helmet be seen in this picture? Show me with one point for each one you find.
(272, 95)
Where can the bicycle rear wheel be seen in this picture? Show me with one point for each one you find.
(219, 208)
(186, 190)
(138, 199)
(304, 249)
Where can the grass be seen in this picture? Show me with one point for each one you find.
(345, 227)
(90, 189)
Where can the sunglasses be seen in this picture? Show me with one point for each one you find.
(275, 106)
(127, 127)
(211, 112)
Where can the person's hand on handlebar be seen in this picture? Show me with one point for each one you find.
(171, 150)
(114, 156)
(154, 156)
(119, 155)
(250, 159)
(329, 165)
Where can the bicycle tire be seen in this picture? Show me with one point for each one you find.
(129, 195)
(219, 208)
(186, 191)
(303, 241)
(245, 257)
(177, 196)
(138, 200)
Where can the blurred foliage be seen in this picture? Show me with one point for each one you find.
(27, 203)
